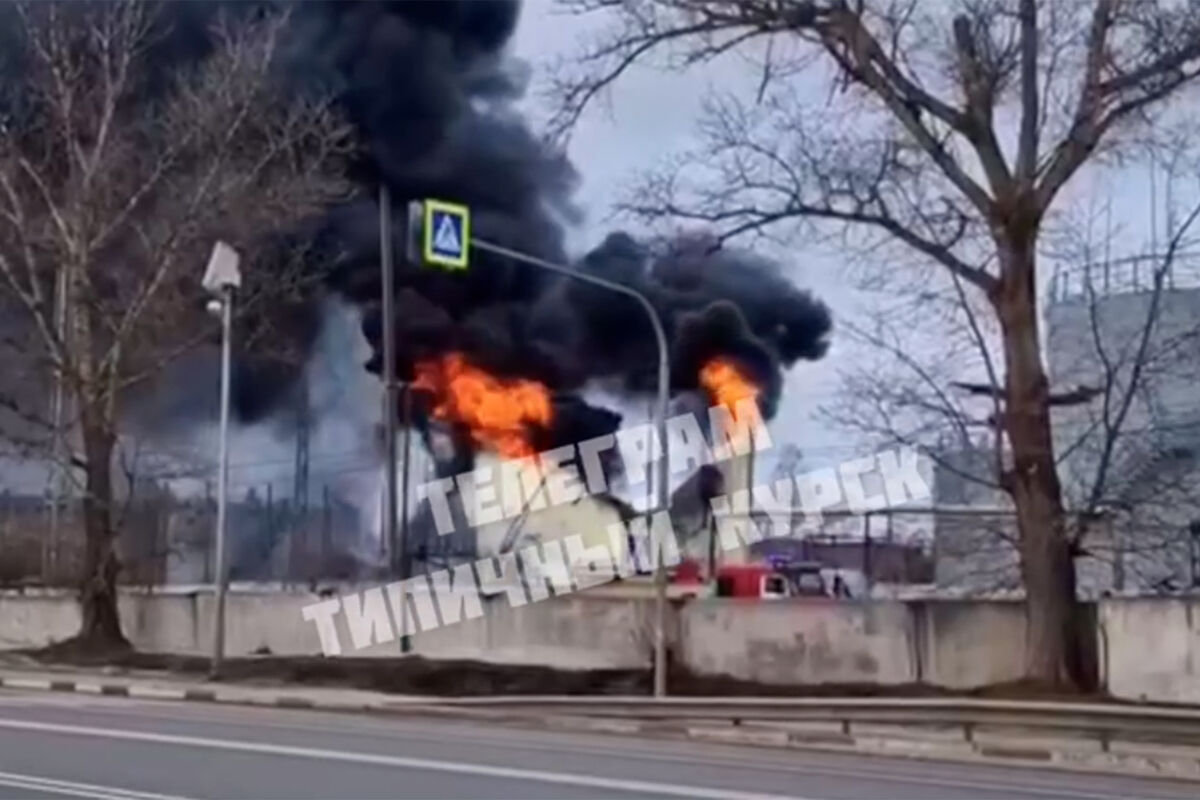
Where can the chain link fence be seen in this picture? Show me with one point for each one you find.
(165, 539)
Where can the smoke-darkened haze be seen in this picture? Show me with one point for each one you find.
(431, 91)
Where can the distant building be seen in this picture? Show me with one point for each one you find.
(974, 549)
(1096, 330)
(1146, 536)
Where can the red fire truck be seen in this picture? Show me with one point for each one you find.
(762, 581)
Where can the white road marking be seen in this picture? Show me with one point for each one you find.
(73, 789)
(949, 774)
(427, 764)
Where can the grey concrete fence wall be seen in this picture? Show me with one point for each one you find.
(1148, 649)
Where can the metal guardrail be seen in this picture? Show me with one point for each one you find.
(1105, 721)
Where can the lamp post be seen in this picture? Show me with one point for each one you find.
(222, 279)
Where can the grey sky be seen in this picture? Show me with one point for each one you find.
(652, 114)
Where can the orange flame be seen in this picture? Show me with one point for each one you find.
(726, 384)
(499, 413)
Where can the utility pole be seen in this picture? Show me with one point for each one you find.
(412, 223)
(389, 371)
(300, 475)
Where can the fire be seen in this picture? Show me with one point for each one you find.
(726, 384)
(499, 413)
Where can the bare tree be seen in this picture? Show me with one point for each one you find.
(1123, 344)
(116, 177)
(916, 148)
(1129, 328)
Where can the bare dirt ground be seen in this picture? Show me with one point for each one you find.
(453, 678)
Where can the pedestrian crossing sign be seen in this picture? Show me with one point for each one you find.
(446, 234)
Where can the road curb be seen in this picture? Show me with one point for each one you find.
(148, 692)
(1181, 765)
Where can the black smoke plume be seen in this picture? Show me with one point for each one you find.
(431, 90)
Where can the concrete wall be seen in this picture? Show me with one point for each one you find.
(948, 643)
(1150, 648)
(799, 642)
(964, 643)
(951, 643)
(568, 632)
(36, 619)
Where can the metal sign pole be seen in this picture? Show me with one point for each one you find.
(662, 478)
(446, 241)
(405, 566)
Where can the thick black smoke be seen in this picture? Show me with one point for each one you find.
(430, 90)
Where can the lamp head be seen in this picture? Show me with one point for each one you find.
(222, 272)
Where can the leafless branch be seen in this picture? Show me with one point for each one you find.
(119, 196)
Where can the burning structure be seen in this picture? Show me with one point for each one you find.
(499, 357)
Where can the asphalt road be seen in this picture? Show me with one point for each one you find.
(54, 746)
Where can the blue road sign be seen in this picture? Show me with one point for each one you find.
(446, 234)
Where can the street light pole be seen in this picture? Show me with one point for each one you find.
(223, 482)
(662, 483)
(222, 279)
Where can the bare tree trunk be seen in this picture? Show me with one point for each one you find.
(1054, 645)
(101, 629)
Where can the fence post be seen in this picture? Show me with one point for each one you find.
(867, 553)
(208, 567)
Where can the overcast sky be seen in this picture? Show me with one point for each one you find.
(651, 115)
